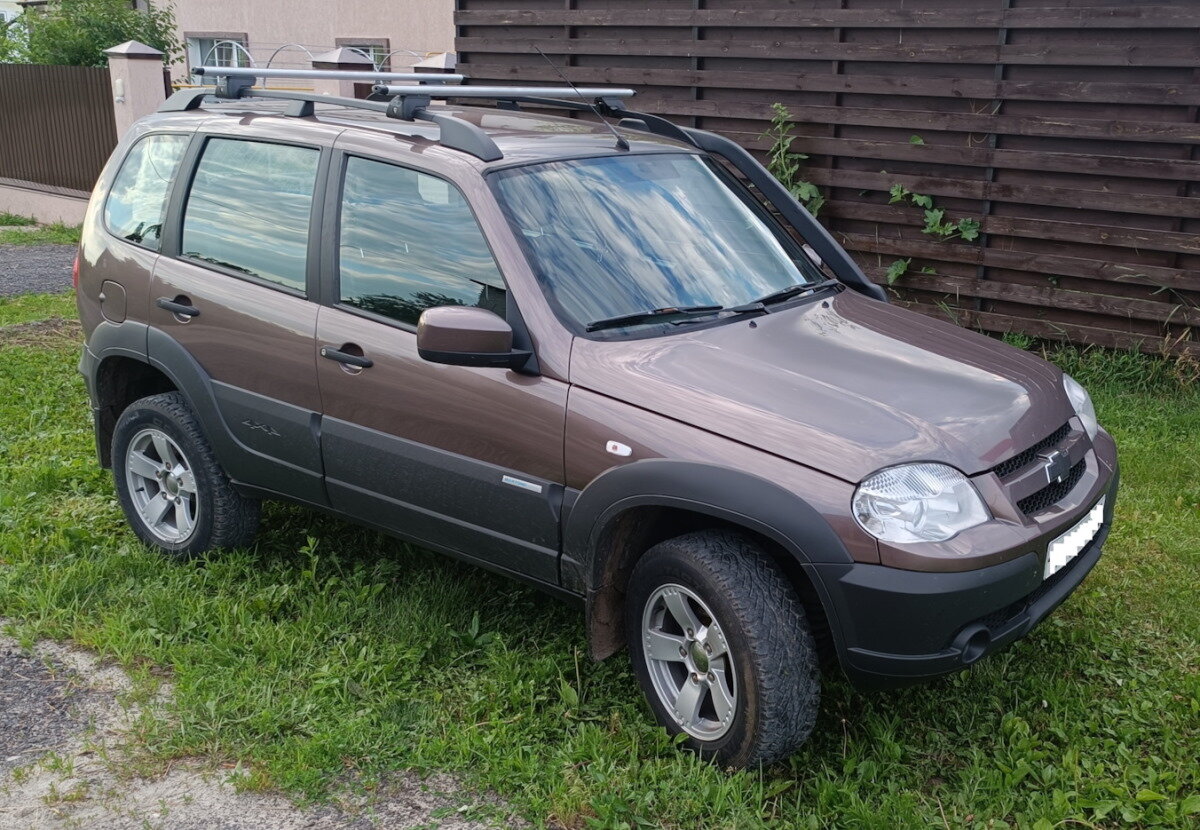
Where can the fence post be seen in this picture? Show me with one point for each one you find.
(136, 71)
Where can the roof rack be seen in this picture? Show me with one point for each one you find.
(407, 103)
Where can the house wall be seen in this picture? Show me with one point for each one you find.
(424, 27)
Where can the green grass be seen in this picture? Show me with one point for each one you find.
(13, 219)
(329, 649)
(56, 234)
(27, 308)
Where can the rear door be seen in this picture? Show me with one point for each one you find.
(462, 459)
(233, 290)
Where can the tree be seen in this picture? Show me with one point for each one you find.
(76, 32)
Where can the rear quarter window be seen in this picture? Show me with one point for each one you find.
(137, 200)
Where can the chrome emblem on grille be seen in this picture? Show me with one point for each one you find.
(1058, 465)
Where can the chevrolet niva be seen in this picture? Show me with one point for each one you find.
(621, 363)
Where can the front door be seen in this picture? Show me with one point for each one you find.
(461, 459)
(234, 295)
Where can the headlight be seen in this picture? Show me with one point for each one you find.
(1082, 402)
(918, 503)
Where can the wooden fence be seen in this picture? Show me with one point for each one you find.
(56, 124)
(1066, 128)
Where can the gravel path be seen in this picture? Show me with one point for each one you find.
(35, 269)
(64, 765)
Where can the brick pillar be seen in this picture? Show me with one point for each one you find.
(137, 82)
(340, 59)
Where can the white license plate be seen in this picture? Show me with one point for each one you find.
(1066, 547)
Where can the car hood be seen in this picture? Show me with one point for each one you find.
(845, 385)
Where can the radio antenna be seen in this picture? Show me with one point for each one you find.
(622, 144)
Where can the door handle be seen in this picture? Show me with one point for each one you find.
(183, 309)
(345, 357)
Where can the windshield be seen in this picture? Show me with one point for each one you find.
(622, 235)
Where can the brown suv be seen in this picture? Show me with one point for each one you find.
(627, 368)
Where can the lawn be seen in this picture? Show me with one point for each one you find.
(56, 234)
(329, 649)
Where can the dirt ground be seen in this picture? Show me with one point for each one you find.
(64, 718)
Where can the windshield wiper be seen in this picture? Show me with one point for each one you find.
(781, 295)
(651, 316)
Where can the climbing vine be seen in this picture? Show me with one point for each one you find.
(936, 225)
(785, 165)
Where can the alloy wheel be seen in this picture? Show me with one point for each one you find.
(689, 662)
(162, 485)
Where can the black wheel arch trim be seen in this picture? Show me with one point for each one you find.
(721, 492)
(157, 349)
(724, 493)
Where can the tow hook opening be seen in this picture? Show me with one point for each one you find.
(973, 642)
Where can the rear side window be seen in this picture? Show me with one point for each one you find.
(137, 200)
(408, 242)
(248, 209)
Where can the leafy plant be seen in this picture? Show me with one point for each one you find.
(936, 224)
(76, 32)
(897, 270)
(785, 164)
(915, 139)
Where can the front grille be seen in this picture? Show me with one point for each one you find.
(1052, 493)
(1023, 459)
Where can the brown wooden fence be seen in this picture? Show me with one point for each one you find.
(56, 124)
(1067, 128)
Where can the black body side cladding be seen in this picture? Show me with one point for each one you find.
(432, 496)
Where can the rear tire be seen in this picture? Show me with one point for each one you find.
(722, 648)
(175, 495)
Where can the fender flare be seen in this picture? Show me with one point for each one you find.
(138, 341)
(724, 493)
(721, 492)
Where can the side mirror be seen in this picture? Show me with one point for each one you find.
(467, 336)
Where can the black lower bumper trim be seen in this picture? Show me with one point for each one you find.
(901, 627)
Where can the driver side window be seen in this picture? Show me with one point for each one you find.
(407, 242)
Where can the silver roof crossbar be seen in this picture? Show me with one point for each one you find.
(408, 100)
(502, 92)
(325, 74)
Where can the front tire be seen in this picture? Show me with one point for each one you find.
(722, 648)
(175, 495)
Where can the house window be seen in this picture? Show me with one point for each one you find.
(374, 49)
(215, 49)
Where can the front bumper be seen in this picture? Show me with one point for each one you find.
(894, 627)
